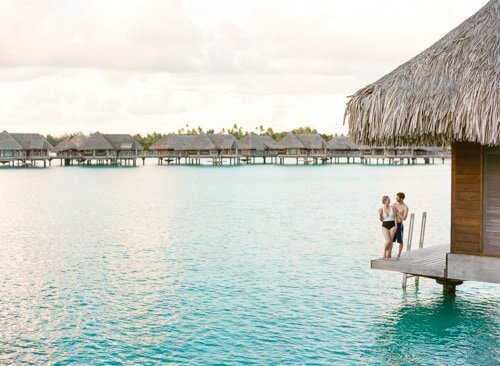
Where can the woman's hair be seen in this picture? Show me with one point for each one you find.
(384, 198)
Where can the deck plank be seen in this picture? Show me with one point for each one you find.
(426, 262)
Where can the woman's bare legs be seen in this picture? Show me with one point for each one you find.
(387, 242)
(392, 232)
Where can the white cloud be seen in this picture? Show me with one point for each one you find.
(140, 66)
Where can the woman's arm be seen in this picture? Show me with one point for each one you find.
(396, 214)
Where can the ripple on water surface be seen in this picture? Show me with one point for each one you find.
(257, 265)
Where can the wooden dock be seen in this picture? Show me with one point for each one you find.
(426, 262)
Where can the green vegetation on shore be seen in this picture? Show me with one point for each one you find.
(237, 131)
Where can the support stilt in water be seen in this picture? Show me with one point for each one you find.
(449, 285)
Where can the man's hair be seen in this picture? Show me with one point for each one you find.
(401, 195)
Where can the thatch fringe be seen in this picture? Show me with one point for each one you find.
(449, 92)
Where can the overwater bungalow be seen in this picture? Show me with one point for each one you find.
(225, 144)
(24, 149)
(302, 147)
(401, 154)
(102, 149)
(69, 147)
(447, 95)
(258, 146)
(342, 147)
(171, 148)
(215, 147)
(171, 145)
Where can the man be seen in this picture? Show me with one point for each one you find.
(401, 210)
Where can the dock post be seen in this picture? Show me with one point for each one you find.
(421, 242)
(408, 246)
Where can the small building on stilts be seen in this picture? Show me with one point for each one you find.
(99, 149)
(171, 148)
(258, 147)
(342, 149)
(302, 148)
(217, 149)
(448, 95)
(24, 149)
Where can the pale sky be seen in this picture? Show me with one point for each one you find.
(142, 66)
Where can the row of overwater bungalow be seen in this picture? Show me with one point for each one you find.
(300, 148)
(216, 149)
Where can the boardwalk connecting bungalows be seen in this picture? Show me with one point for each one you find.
(100, 149)
(448, 94)
(305, 148)
(24, 149)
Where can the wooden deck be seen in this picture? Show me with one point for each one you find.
(426, 262)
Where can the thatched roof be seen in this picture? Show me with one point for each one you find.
(449, 92)
(7, 142)
(312, 141)
(99, 141)
(290, 141)
(173, 142)
(271, 143)
(96, 141)
(224, 141)
(252, 142)
(32, 141)
(341, 143)
(202, 142)
(79, 139)
(66, 145)
(123, 142)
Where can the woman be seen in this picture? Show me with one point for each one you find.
(388, 218)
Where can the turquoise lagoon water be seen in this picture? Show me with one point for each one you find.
(226, 265)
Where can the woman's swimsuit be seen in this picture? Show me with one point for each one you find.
(389, 221)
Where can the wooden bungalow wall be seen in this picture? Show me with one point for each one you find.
(466, 198)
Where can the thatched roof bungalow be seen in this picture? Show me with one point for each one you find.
(225, 143)
(202, 145)
(23, 145)
(302, 144)
(215, 144)
(258, 145)
(341, 143)
(449, 94)
(121, 145)
(100, 145)
(172, 145)
(70, 146)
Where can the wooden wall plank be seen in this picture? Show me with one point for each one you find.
(468, 204)
(466, 197)
(491, 230)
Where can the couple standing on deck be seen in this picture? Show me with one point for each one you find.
(392, 218)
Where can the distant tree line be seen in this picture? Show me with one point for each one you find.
(237, 131)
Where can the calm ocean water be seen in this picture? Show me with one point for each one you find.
(226, 265)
